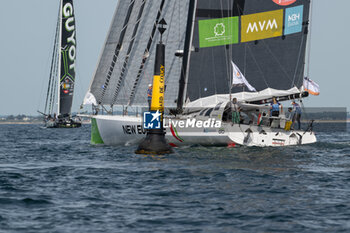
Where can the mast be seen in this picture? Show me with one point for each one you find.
(59, 59)
(309, 40)
(187, 51)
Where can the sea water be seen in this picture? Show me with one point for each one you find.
(53, 180)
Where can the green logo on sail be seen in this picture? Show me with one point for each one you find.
(216, 32)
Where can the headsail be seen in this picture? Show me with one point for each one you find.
(67, 57)
(126, 65)
(266, 39)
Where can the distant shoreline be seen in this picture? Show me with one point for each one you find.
(19, 123)
(330, 121)
(28, 123)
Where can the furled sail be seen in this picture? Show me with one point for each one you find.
(266, 39)
(126, 64)
(67, 57)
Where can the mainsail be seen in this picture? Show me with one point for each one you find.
(266, 39)
(62, 72)
(67, 57)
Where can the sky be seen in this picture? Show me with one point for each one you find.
(27, 36)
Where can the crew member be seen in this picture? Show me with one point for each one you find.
(236, 118)
(275, 108)
(297, 113)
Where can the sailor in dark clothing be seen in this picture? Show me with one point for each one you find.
(236, 118)
(297, 113)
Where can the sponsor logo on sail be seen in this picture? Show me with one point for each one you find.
(66, 85)
(216, 32)
(284, 2)
(293, 20)
(67, 13)
(219, 29)
(262, 25)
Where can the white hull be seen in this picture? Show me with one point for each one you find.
(127, 130)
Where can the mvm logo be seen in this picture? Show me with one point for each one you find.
(270, 25)
(262, 25)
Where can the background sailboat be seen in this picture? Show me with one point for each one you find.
(62, 73)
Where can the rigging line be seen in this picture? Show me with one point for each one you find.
(54, 83)
(52, 61)
(229, 48)
(257, 65)
(126, 60)
(50, 73)
(299, 56)
(225, 48)
(178, 41)
(245, 59)
(53, 91)
(307, 31)
(309, 42)
(170, 26)
(212, 69)
(191, 17)
(277, 60)
(117, 50)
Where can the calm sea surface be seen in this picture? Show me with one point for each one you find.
(53, 180)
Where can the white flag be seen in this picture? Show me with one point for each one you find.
(311, 87)
(239, 79)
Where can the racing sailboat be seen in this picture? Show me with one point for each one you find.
(62, 73)
(206, 41)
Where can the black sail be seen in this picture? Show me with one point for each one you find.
(67, 57)
(265, 39)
